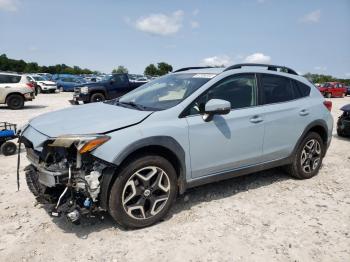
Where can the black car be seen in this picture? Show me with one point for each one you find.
(113, 86)
(343, 124)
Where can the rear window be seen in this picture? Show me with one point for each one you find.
(9, 79)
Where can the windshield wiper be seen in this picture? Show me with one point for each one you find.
(132, 104)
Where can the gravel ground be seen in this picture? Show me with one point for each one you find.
(266, 216)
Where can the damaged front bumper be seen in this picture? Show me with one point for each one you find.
(65, 175)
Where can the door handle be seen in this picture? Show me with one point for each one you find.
(304, 112)
(256, 119)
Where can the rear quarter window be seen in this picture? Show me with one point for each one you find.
(302, 89)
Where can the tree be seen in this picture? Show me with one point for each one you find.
(20, 66)
(151, 70)
(120, 70)
(162, 68)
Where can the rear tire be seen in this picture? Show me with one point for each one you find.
(143, 192)
(15, 101)
(8, 148)
(97, 97)
(308, 158)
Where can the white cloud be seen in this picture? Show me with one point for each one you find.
(313, 17)
(161, 24)
(9, 5)
(223, 60)
(347, 74)
(257, 58)
(194, 24)
(320, 68)
(195, 12)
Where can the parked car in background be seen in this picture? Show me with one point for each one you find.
(114, 86)
(15, 89)
(43, 85)
(348, 90)
(343, 124)
(47, 76)
(332, 89)
(132, 156)
(67, 83)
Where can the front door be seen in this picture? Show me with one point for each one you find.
(229, 141)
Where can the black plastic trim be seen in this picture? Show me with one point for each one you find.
(269, 67)
(237, 172)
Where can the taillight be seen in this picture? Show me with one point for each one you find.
(30, 85)
(328, 104)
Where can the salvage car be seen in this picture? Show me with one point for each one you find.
(343, 124)
(112, 87)
(15, 89)
(132, 156)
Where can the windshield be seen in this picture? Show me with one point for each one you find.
(39, 78)
(165, 92)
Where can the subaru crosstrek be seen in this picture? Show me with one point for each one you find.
(133, 155)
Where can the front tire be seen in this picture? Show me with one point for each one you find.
(308, 158)
(8, 148)
(143, 192)
(97, 97)
(15, 102)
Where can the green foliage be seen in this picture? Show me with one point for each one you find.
(318, 78)
(20, 66)
(120, 70)
(161, 69)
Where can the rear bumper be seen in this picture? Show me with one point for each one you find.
(29, 96)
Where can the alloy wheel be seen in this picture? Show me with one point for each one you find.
(146, 192)
(311, 156)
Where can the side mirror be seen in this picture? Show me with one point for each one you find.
(216, 107)
(111, 81)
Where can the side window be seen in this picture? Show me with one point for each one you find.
(239, 90)
(302, 89)
(2, 79)
(121, 79)
(276, 89)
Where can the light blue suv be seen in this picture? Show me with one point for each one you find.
(132, 156)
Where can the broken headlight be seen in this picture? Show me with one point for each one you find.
(83, 143)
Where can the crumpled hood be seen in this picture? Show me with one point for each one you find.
(93, 118)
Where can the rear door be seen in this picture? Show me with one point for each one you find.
(286, 113)
(7, 85)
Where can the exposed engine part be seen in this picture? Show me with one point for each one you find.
(68, 185)
(94, 184)
(74, 216)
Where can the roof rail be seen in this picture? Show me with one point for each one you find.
(269, 67)
(193, 67)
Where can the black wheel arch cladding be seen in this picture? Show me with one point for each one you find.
(166, 145)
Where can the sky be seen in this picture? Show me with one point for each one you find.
(306, 35)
